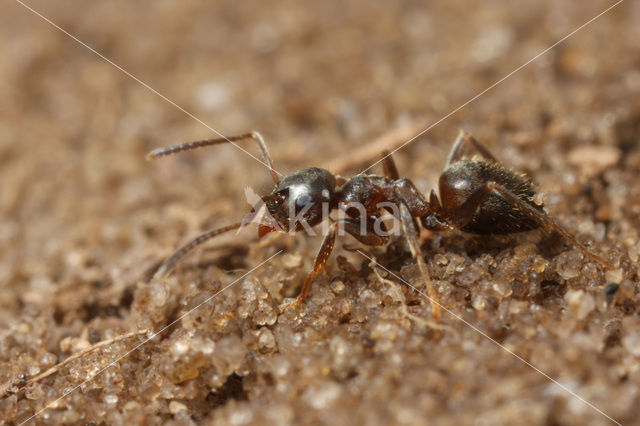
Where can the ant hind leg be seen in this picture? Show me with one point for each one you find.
(389, 166)
(411, 233)
(545, 222)
(464, 215)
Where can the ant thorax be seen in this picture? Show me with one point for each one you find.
(362, 192)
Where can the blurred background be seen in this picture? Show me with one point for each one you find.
(321, 80)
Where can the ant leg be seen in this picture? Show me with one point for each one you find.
(320, 265)
(465, 213)
(353, 227)
(411, 233)
(430, 212)
(410, 195)
(367, 234)
(389, 166)
(173, 149)
(175, 257)
(466, 146)
(545, 221)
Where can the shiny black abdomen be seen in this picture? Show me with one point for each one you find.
(495, 215)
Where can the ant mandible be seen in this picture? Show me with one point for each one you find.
(478, 195)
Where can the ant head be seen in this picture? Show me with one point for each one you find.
(306, 195)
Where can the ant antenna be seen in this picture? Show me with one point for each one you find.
(174, 149)
(168, 264)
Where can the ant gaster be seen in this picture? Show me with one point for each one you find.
(477, 195)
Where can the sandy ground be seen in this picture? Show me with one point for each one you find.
(85, 219)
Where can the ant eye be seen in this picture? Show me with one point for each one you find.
(280, 196)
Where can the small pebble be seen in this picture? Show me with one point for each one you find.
(111, 398)
(175, 407)
(321, 395)
(503, 288)
(34, 391)
(568, 264)
(479, 302)
(337, 286)
(291, 260)
(593, 160)
(580, 302)
(631, 335)
(614, 275)
(266, 341)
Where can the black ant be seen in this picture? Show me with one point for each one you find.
(477, 195)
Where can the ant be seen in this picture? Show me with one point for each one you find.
(478, 195)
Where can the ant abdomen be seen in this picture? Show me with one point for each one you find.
(494, 214)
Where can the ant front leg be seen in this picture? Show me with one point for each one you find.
(365, 233)
(320, 265)
(411, 233)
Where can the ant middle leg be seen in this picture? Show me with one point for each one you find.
(371, 232)
(430, 212)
